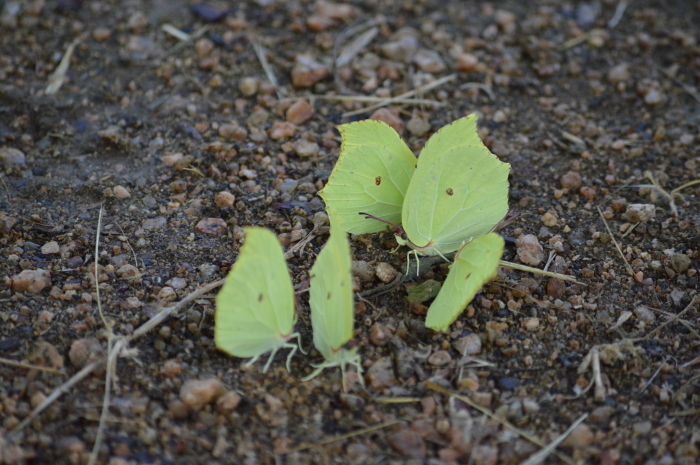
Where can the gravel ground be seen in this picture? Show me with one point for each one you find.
(188, 121)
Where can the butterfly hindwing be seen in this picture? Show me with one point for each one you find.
(475, 264)
(372, 174)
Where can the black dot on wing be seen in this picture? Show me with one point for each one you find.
(378, 180)
(260, 297)
(450, 191)
(328, 296)
(468, 275)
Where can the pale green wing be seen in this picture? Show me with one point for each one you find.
(371, 176)
(255, 306)
(330, 295)
(331, 302)
(475, 264)
(459, 191)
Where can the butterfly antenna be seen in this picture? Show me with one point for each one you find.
(372, 217)
(508, 219)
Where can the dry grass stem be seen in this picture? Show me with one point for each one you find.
(617, 246)
(184, 43)
(261, 53)
(617, 16)
(359, 43)
(397, 400)
(343, 437)
(580, 39)
(670, 320)
(530, 437)
(487, 89)
(372, 99)
(521, 267)
(56, 393)
(411, 93)
(57, 77)
(540, 456)
(656, 373)
(29, 366)
(175, 32)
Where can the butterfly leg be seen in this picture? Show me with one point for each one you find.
(269, 360)
(291, 354)
(252, 360)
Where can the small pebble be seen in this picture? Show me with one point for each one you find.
(299, 112)
(601, 415)
(120, 192)
(101, 34)
(466, 62)
(428, 61)
(363, 270)
(127, 271)
(403, 48)
(286, 186)
(248, 86)
(50, 247)
(580, 437)
(154, 223)
(509, 383)
(224, 199)
(642, 427)
(531, 324)
(549, 219)
(418, 126)
(619, 73)
(378, 335)
(305, 148)
(203, 47)
(468, 345)
(640, 212)
(31, 281)
(211, 226)
(381, 374)
(45, 354)
(177, 283)
(281, 130)
(529, 251)
(228, 402)
(484, 455)
(571, 181)
(654, 97)
(408, 443)
(644, 314)
(679, 262)
(530, 406)
(85, 351)
(258, 118)
(307, 71)
(196, 393)
(385, 272)
(440, 358)
(230, 132)
(390, 118)
(11, 158)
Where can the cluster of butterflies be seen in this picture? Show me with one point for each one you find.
(450, 199)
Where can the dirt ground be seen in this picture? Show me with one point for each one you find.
(187, 139)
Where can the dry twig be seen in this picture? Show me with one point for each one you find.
(405, 95)
(530, 437)
(617, 246)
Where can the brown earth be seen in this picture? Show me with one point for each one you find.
(590, 115)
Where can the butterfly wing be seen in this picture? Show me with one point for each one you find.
(330, 295)
(371, 176)
(459, 190)
(475, 264)
(255, 306)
